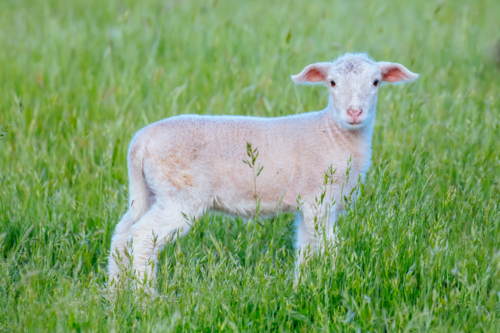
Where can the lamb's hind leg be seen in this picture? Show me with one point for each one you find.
(117, 259)
(160, 225)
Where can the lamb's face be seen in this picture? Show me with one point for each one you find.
(353, 87)
(353, 81)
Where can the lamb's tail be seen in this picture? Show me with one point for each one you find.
(138, 202)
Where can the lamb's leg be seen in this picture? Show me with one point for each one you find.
(160, 225)
(331, 232)
(117, 258)
(312, 237)
(306, 237)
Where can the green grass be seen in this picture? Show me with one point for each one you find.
(421, 251)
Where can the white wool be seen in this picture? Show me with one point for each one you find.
(193, 164)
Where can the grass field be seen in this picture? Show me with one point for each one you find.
(421, 251)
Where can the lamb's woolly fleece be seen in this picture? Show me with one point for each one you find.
(192, 164)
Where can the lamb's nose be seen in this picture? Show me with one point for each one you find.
(354, 112)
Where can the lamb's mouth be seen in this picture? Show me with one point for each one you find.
(354, 123)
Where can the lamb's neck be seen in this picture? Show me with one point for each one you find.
(362, 135)
(357, 141)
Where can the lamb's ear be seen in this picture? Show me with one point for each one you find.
(395, 73)
(313, 74)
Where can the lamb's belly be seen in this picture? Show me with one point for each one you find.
(248, 208)
(241, 197)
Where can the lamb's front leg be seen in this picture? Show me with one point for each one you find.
(315, 231)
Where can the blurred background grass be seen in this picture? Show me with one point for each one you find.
(78, 78)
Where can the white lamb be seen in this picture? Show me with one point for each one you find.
(188, 165)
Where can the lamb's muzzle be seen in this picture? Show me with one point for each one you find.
(193, 164)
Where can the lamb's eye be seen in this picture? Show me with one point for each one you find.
(375, 83)
(332, 83)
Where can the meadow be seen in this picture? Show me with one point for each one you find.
(420, 250)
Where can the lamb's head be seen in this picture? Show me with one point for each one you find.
(353, 81)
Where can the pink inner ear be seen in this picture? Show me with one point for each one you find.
(314, 75)
(393, 74)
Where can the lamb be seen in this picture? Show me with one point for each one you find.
(187, 165)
